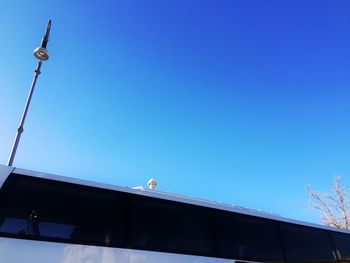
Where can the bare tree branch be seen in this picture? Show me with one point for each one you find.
(334, 207)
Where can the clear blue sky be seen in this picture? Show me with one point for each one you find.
(245, 102)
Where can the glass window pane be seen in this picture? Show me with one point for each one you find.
(170, 226)
(342, 243)
(306, 243)
(247, 237)
(45, 209)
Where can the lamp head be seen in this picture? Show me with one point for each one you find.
(41, 54)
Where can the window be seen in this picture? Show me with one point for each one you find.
(306, 243)
(49, 210)
(247, 237)
(342, 244)
(162, 225)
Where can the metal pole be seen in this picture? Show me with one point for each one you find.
(20, 127)
(43, 55)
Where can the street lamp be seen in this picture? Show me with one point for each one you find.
(41, 55)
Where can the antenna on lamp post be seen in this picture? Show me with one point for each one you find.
(41, 55)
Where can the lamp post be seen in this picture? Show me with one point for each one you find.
(41, 55)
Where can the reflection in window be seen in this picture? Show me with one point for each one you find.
(246, 237)
(306, 243)
(162, 225)
(342, 243)
(50, 210)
